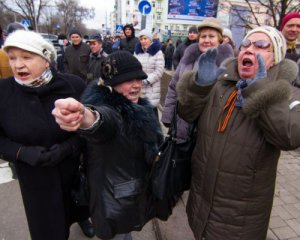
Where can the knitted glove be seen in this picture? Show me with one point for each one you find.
(261, 72)
(208, 71)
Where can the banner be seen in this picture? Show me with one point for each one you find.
(192, 10)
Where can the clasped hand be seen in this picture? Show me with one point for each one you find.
(68, 113)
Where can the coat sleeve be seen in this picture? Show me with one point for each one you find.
(176, 56)
(8, 148)
(192, 97)
(156, 74)
(108, 126)
(276, 108)
(171, 99)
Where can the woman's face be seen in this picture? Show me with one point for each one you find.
(130, 89)
(145, 41)
(247, 59)
(26, 65)
(208, 38)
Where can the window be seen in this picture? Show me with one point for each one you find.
(166, 28)
(177, 28)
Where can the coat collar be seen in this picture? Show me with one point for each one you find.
(152, 49)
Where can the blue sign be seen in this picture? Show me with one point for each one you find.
(192, 10)
(26, 23)
(119, 28)
(145, 7)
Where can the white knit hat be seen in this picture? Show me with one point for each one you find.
(278, 41)
(31, 42)
(146, 33)
(227, 32)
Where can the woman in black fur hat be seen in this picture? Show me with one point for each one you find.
(123, 136)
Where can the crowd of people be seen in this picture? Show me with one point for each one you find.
(96, 101)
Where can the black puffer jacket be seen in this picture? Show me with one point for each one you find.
(119, 154)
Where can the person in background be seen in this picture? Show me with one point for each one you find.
(97, 56)
(128, 43)
(1, 37)
(5, 69)
(63, 43)
(227, 38)
(123, 136)
(116, 43)
(169, 54)
(246, 112)
(290, 28)
(148, 52)
(76, 57)
(46, 158)
(210, 36)
(179, 51)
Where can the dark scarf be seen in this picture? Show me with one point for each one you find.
(152, 49)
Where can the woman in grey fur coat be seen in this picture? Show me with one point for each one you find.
(245, 116)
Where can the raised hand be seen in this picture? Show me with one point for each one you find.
(262, 71)
(208, 71)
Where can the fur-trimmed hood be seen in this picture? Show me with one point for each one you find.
(152, 49)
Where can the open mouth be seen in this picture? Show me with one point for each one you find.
(134, 94)
(247, 62)
(23, 74)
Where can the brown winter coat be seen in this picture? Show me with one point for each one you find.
(234, 172)
(5, 69)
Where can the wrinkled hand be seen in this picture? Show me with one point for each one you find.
(68, 113)
(208, 71)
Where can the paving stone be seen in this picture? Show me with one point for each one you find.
(295, 225)
(283, 213)
(271, 235)
(276, 222)
(284, 233)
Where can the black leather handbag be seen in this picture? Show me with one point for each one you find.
(171, 174)
(80, 191)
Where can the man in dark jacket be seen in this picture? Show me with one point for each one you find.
(290, 28)
(191, 38)
(76, 57)
(130, 41)
(169, 54)
(97, 55)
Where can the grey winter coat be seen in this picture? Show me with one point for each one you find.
(187, 63)
(234, 172)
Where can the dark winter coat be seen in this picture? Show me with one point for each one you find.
(187, 63)
(234, 171)
(179, 52)
(26, 120)
(129, 43)
(94, 67)
(76, 59)
(292, 54)
(169, 51)
(120, 151)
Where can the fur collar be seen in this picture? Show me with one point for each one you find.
(152, 49)
(139, 118)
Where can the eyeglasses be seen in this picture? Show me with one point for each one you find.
(261, 44)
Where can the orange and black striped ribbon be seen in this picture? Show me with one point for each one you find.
(228, 109)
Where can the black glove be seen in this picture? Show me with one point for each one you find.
(40, 156)
(208, 71)
(32, 155)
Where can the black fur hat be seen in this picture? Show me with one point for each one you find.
(121, 66)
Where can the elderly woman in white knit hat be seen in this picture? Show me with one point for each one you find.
(148, 52)
(245, 116)
(228, 38)
(46, 157)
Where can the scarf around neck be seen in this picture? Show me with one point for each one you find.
(44, 79)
